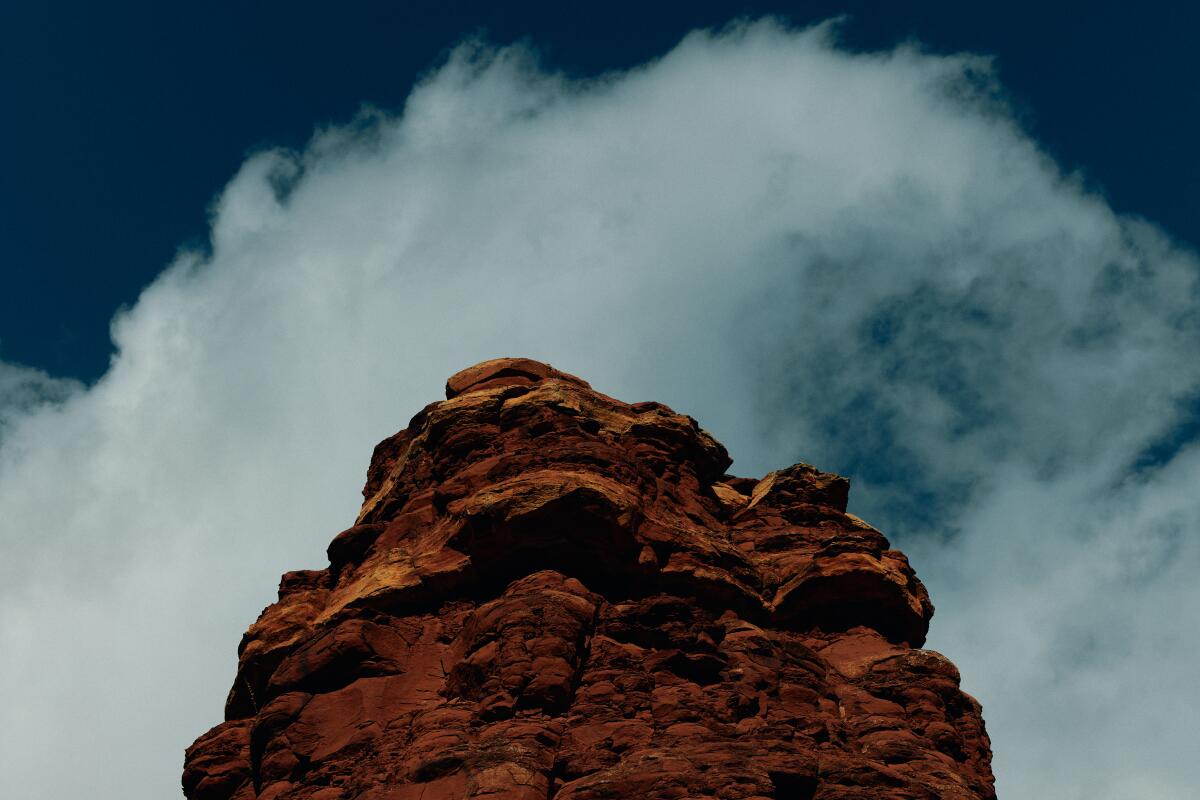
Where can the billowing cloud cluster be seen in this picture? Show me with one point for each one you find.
(856, 260)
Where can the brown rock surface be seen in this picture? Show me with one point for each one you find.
(553, 594)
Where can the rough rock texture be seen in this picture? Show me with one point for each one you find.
(553, 594)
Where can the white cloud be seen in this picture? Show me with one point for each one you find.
(24, 391)
(857, 260)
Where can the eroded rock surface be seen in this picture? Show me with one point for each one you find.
(549, 593)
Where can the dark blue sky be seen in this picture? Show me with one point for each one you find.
(122, 121)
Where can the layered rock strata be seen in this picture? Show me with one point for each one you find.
(550, 593)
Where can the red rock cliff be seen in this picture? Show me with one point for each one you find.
(553, 594)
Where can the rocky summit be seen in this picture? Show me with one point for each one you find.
(550, 593)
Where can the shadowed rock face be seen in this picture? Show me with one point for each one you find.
(549, 593)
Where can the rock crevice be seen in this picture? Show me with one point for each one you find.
(549, 593)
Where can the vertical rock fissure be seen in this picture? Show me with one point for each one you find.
(585, 654)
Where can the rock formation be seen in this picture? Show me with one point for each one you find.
(553, 594)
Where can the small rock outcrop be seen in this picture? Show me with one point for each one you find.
(550, 593)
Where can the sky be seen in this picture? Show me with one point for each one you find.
(951, 256)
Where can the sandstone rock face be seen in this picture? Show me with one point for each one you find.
(553, 594)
